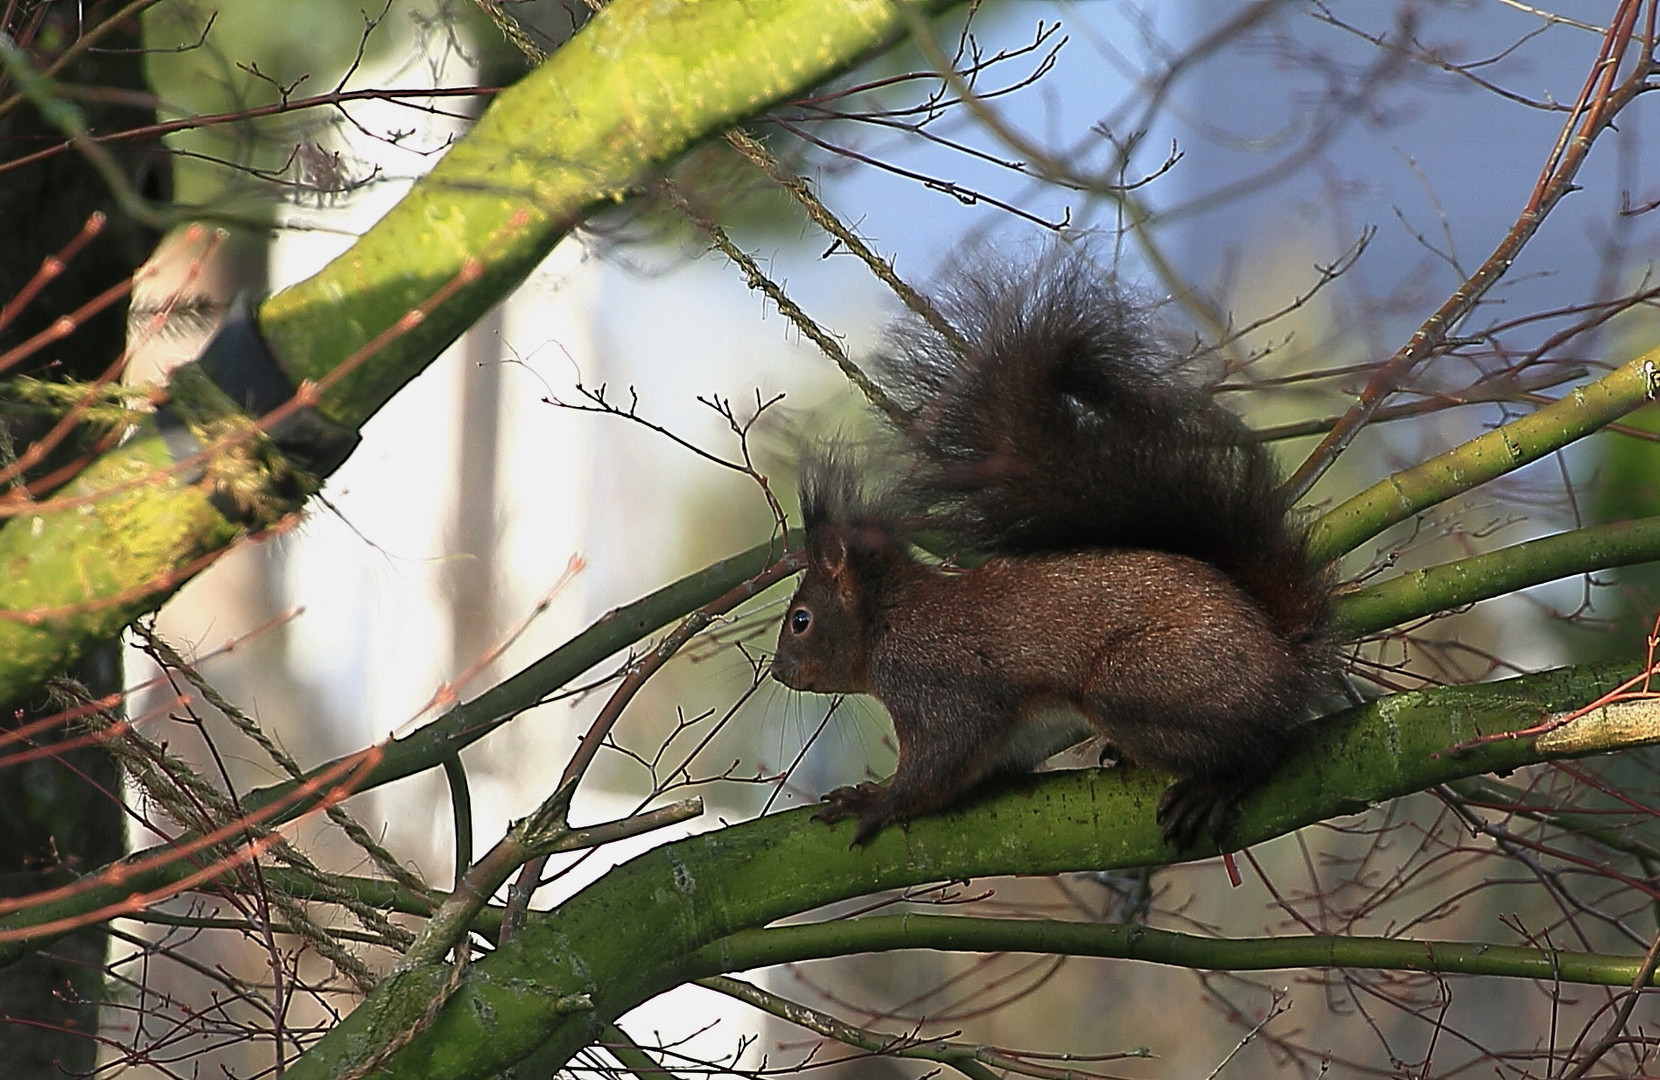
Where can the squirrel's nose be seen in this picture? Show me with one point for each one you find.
(785, 670)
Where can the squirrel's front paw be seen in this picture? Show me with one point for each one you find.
(850, 801)
(866, 801)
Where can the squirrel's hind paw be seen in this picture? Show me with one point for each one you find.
(1201, 804)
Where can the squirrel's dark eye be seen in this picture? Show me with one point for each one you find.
(800, 620)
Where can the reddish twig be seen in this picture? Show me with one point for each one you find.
(1599, 102)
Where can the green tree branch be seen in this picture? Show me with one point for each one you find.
(125, 533)
(639, 84)
(642, 928)
(1420, 593)
(1582, 411)
(428, 746)
(642, 82)
(748, 949)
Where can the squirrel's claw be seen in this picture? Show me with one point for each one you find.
(863, 801)
(848, 801)
(1200, 804)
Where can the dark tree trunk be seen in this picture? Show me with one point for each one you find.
(60, 816)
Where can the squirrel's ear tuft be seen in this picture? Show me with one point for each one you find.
(827, 550)
(834, 494)
(831, 489)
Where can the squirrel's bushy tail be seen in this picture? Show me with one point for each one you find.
(1063, 428)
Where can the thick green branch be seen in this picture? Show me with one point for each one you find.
(750, 949)
(643, 81)
(1581, 412)
(636, 932)
(1419, 593)
(130, 534)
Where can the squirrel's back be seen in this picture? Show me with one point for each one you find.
(1061, 427)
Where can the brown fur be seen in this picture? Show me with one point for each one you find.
(1149, 579)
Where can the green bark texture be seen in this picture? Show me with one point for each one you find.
(643, 81)
(640, 83)
(72, 577)
(661, 918)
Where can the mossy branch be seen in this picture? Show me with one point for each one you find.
(639, 84)
(117, 541)
(646, 925)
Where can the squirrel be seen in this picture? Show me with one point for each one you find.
(1147, 582)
